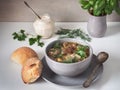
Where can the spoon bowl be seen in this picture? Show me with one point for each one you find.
(102, 57)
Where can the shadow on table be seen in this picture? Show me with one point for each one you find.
(111, 69)
(112, 29)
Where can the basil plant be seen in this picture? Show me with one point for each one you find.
(101, 7)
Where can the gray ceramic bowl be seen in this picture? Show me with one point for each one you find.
(68, 69)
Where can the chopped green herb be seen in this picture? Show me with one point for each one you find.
(82, 54)
(63, 31)
(68, 61)
(21, 36)
(73, 33)
(36, 40)
(41, 44)
(57, 45)
(81, 51)
(81, 47)
(32, 41)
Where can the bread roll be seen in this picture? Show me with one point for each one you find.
(22, 54)
(31, 70)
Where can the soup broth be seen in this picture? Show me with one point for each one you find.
(68, 52)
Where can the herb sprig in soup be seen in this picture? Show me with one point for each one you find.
(68, 52)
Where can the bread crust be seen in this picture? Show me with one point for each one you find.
(22, 54)
(31, 70)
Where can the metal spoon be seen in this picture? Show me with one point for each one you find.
(102, 57)
(32, 9)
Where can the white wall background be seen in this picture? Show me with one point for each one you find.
(60, 10)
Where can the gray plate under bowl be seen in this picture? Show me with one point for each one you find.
(50, 76)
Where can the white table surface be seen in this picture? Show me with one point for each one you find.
(10, 73)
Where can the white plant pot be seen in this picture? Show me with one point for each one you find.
(97, 26)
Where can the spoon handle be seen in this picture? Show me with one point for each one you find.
(91, 77)
(32, 9)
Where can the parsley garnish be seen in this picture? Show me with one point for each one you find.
(21, 36)
(36, 40)
(81, 51)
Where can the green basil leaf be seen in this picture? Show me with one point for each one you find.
(83, 2)
(87, 6)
